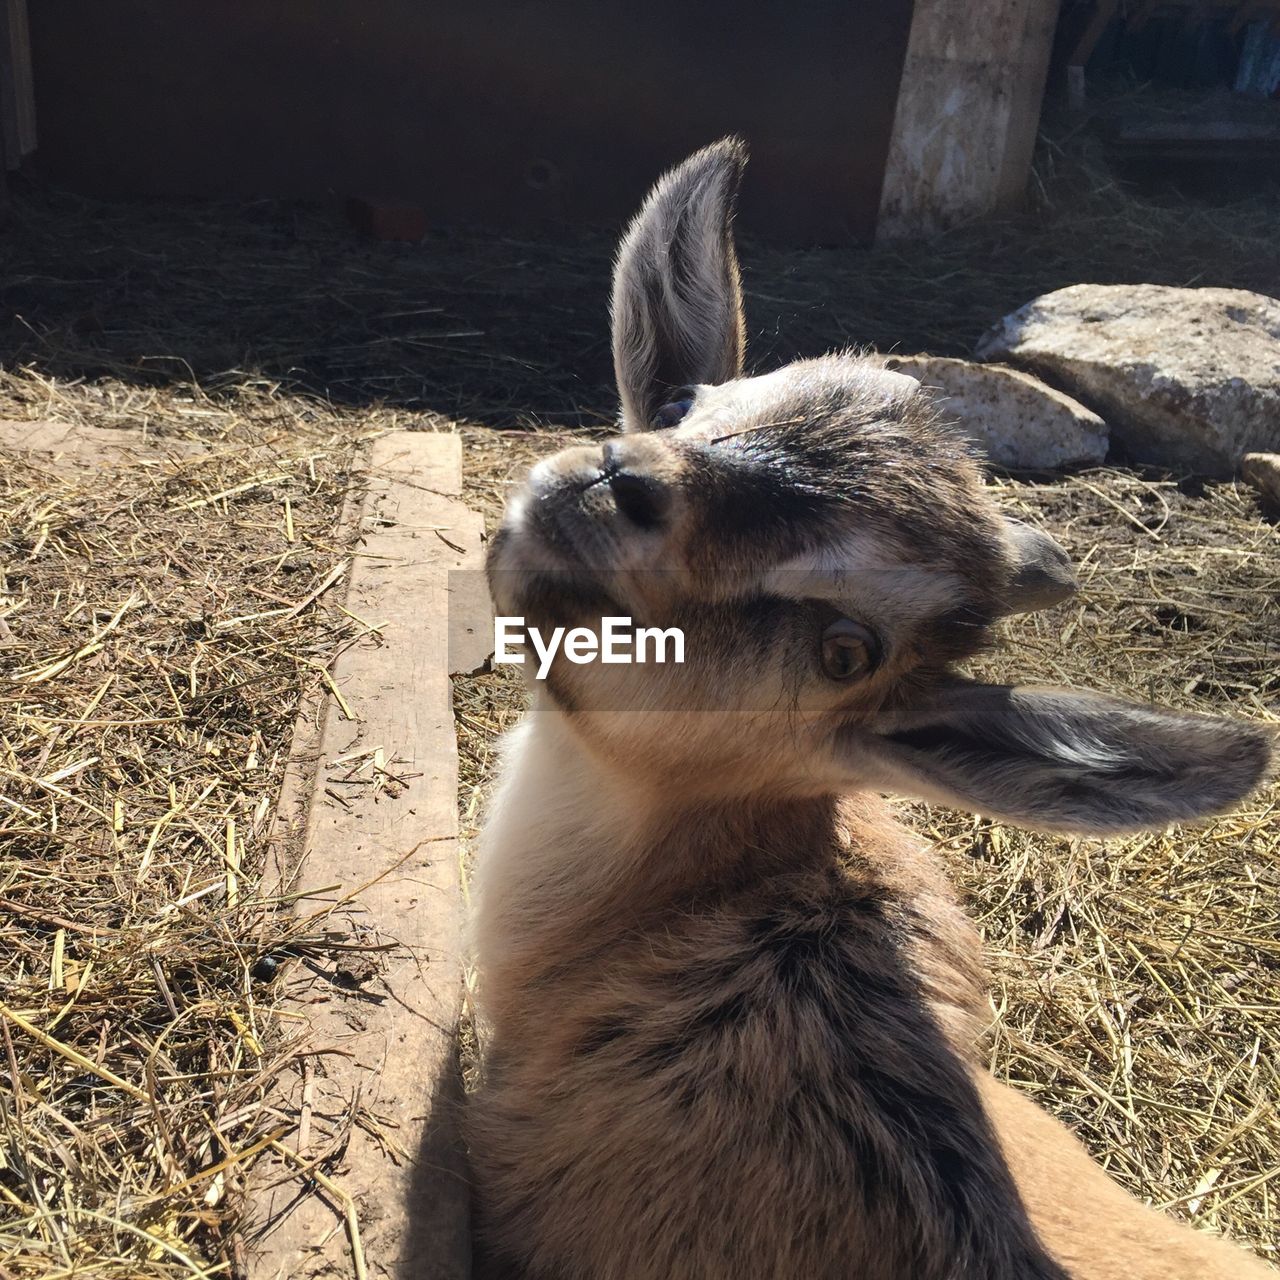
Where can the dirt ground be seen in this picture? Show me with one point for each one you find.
(1136, 983)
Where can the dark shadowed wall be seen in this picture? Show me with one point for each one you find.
(505, 111)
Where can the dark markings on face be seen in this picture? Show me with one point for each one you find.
(563, 598)
(956, 633)
(755, 622)
(835, 461)
(750, 506)
(845, 462)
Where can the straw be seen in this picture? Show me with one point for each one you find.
(142, 744)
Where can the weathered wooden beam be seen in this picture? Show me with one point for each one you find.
(371, 806)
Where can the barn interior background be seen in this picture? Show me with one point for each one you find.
(243, 247)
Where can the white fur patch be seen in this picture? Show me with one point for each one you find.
(777, 397)
(543, 849)
(871, 576)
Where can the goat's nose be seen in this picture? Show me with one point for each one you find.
(641, 497)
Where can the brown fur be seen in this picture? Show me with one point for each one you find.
(778, 1057)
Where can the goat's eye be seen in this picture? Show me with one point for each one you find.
(849, 650)
(671, 413)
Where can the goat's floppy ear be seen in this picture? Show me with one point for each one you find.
(1043, 574)
(1059, 760)
(677, 295)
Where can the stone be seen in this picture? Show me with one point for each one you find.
(1262, 471)
(1016, 419)
(1186, 378)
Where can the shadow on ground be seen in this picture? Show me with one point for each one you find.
(483, 327)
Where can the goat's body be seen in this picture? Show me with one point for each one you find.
(741, 1043)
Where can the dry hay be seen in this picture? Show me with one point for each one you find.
(160, 619)
(1135, 982)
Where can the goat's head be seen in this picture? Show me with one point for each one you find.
(829, 552)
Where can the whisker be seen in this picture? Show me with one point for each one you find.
(759, 426)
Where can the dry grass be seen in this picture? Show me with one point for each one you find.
(1136, 982)
(160, 618)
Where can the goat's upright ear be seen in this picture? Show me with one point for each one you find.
(1059, 760)
(677, 294)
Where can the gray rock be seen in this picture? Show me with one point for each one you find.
(1262, 470)
(1185, 377)
(1017, 420)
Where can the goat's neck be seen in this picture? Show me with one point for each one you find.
(577, 853)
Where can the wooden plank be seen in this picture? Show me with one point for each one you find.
(87, 444)
(967, 111)
(1026, 102)
(17, 88)
(381, 1085)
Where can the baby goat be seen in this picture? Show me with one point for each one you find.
(732, 1005)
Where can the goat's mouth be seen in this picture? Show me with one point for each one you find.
(552, 556)
(552, 598)
(585, 523)
(560, 536)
